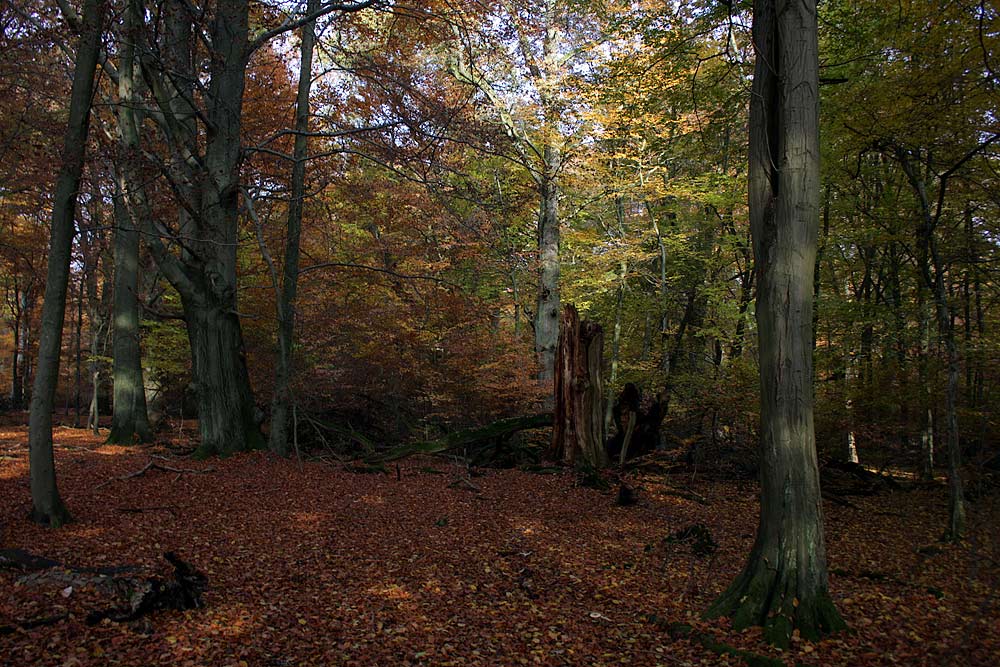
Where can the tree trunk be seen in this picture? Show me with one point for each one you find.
(547, 309)
(578, 426)
(932, 271)
(15, 378)
(226, 410)
(926, 408)
(290, 278)
(20, 327)
(24, 389)
(207, 186)
(47, 506)
(79, 354)
(130, 421)
(783, 586)
(90, 249)
(615, 348)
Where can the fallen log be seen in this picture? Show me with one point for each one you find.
(149, 594)
(131, 593)
(868, 482)
(684, 493)
(473, 439)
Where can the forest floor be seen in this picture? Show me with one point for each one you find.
(322, 566)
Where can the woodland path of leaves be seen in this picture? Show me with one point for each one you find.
(327, 567)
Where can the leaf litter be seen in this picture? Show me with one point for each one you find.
(322, 566)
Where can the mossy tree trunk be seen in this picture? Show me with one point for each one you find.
(783, 586)
(47, 506)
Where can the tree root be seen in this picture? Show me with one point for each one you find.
(685, 631)
(761, 596)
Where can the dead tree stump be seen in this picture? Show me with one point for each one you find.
(578, 426)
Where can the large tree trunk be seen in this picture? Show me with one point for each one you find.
(208, 190)
(129, 422)
(226, 410)
(290, 279)
(578, 427)
(47, 506)
(783, 586)
(547, 308)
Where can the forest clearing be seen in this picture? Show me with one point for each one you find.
(321, 566)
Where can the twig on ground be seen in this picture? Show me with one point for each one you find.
(153, 465)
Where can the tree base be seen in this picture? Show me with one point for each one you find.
(769, 599)
(125, 436)
(55, 517)
(252, 440)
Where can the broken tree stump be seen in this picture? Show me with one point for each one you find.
(637, 428)
(578, 423)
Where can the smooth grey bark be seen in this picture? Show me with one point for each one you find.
(21, 307)
(204, 170)
(47, 506)
(79, 354)
(130, 420)
(547, 306)
(783, 586)
(16, 394)
(90, 243)
(615, 350)
(923, 379)
(206, 183)
(278, 437)
(27, 340)
(542, 159)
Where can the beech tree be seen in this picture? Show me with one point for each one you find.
(529, 96)
(198, 254)
(278, 437)
(47, 506)
(783, 586)
(130, 420)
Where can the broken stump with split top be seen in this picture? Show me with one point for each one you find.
(578, 425)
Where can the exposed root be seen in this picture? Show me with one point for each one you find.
(761, 596)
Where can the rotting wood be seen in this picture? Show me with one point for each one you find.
(133, 593)
(637, 429)
(578, 423)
